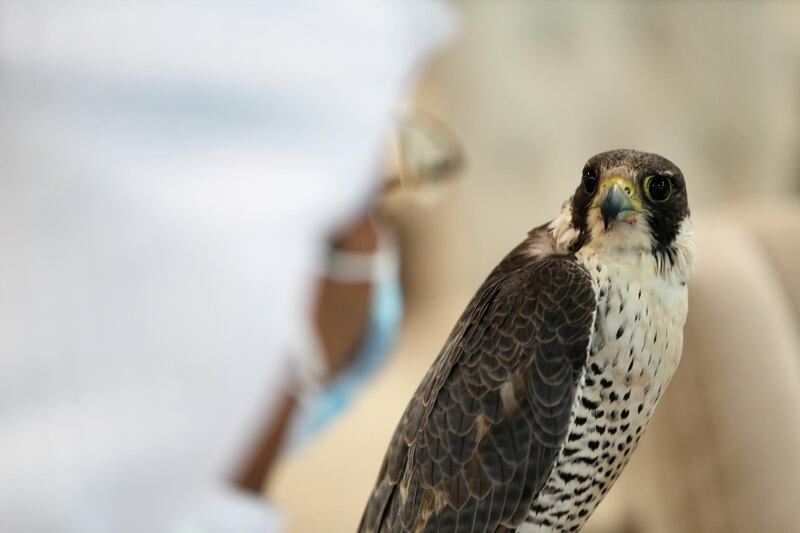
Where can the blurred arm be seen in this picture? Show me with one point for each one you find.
(340, 317)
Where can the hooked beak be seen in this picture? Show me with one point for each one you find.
(616, 203)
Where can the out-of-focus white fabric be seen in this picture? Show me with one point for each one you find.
(169, 173)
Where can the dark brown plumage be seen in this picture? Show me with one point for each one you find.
(467, 456)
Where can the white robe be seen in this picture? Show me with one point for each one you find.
(169, 173)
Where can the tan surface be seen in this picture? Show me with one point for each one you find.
(534, 88)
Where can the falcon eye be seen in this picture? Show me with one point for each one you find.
(590, 180)
(658, 188)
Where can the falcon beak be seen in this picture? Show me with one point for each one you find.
(616, 201)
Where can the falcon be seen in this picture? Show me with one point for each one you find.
(550, 376)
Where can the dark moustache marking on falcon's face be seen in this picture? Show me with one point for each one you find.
(661, 186)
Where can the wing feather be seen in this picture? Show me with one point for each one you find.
(480, 436)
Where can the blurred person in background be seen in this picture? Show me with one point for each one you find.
(176, 177)
(357, 310)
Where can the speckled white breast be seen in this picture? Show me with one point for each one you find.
(635, 349)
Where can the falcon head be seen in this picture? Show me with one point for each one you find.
(629, 203)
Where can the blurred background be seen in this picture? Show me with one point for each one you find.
(201, 248)
(530, 90)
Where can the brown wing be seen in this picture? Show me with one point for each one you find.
(481, 434)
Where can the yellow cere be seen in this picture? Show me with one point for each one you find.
(627, 185)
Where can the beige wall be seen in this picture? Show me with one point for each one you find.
(533, 89)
